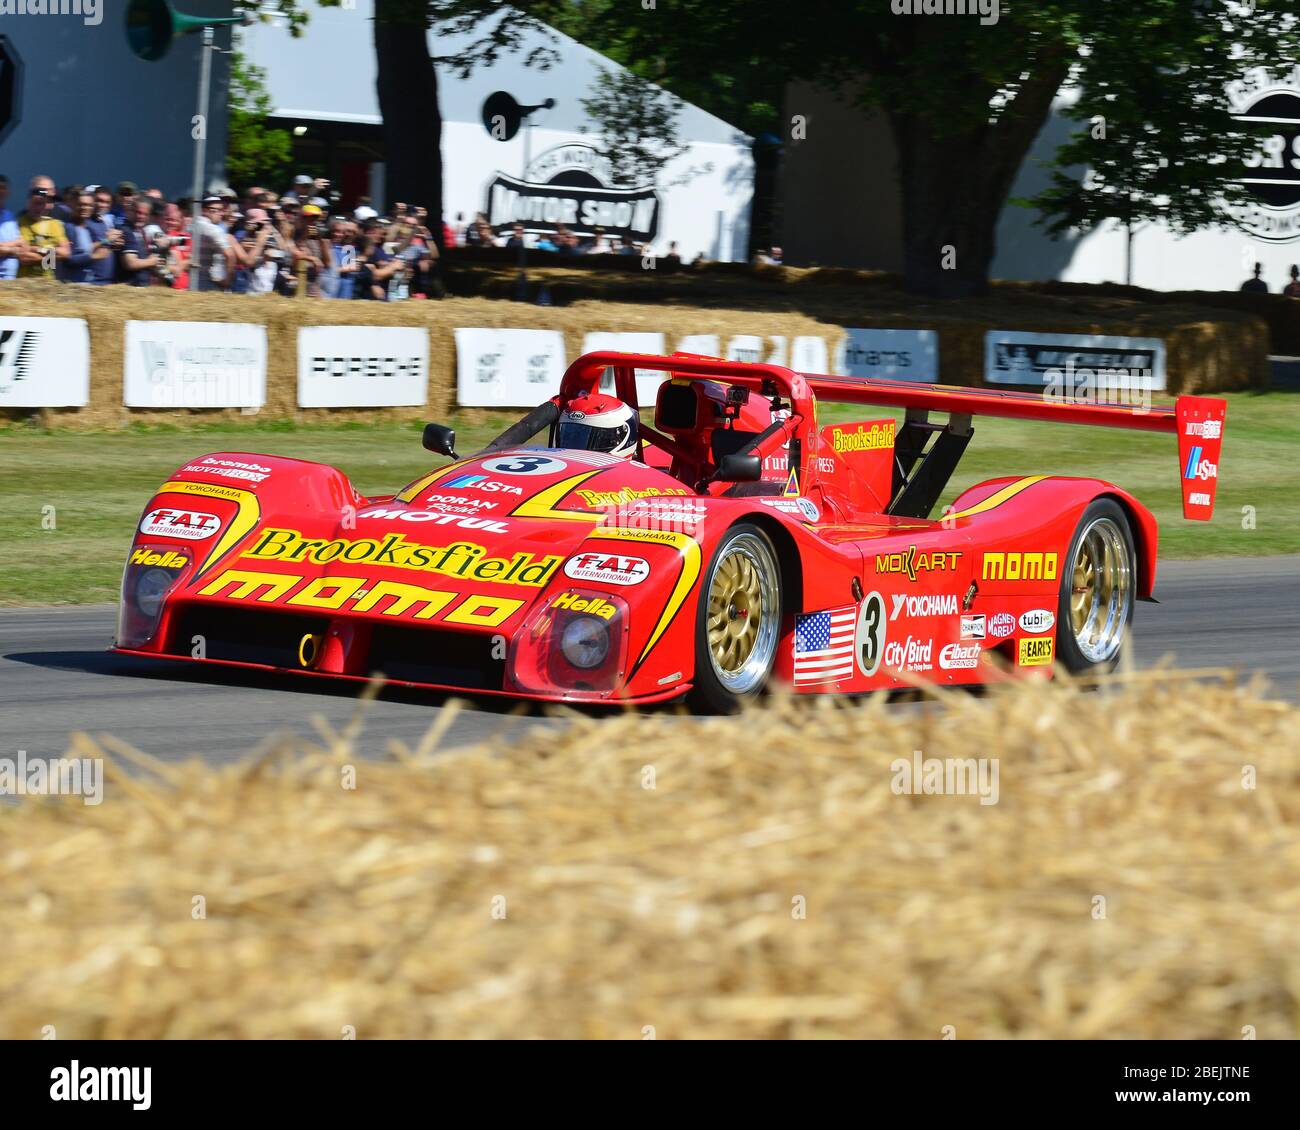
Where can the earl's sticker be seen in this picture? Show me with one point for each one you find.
(1035, 651)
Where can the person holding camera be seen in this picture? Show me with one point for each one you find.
(259, 252)
(92, 251)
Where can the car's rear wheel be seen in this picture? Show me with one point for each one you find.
(1098, 588)
(738, 621)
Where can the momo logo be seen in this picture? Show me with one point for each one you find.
(607, 568)
(188, 525)
(17, 348)
(1199, 467)
(460, 559)
(1019, 567)
(863, 437)
(1037, 620)
(913, 563)
(481, 482)
(436, 519)
(959, 656)
(940, 605)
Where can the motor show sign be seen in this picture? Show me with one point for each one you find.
(44, 363)
(1049, 360)
(362, 366)
(572, 185)
(901, 355)
(500, 368)
(1271, 174)
(194, 365)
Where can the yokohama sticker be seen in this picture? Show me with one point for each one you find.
(607, 568)
(188, 525)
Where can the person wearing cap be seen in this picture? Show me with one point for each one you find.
(259, 253)
(213, 264)
(127, 191)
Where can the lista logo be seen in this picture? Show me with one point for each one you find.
(1037, 620)
(188, 525)
(1199, 468)
(607, 568)
(481, 482)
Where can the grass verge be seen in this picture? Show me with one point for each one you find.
(98, 483)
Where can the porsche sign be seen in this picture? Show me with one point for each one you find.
(1272, 174)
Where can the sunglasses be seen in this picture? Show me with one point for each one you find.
(43, 193)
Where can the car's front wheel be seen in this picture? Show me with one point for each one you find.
(1098, 588)
(738, 622)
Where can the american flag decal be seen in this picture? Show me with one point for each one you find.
(823, 646)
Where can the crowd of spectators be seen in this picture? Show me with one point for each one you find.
(301, 243)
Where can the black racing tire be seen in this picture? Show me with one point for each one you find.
(738, 621)
(1098, 590)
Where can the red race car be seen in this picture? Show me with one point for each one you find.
(731, 544)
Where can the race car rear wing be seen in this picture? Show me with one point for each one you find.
(1197, 420)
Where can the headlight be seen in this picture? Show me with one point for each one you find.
(150, 587)
(585, 641)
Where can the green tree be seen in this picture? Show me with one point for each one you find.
(254, 152)
(636, 124)
(965, 99)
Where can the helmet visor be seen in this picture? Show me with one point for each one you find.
(577, 436)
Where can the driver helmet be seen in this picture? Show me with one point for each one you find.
(596, 422)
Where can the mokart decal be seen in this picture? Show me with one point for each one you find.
(913, 563)
(247, 516)
(998, 498)
(685, 545)
(460, 559)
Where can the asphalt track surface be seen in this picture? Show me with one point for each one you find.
(56, 677)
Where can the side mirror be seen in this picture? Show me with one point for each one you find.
(440, 439)
(739, 469)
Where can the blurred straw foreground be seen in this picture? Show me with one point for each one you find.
(1128, 883)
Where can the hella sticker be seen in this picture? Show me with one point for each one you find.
(607, 568)
(188, 525)
(1036, 621)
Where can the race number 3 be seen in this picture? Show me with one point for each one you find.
(524, 465)
(869, 640)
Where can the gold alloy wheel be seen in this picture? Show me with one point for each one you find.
(743, 612)
(1101, 591)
